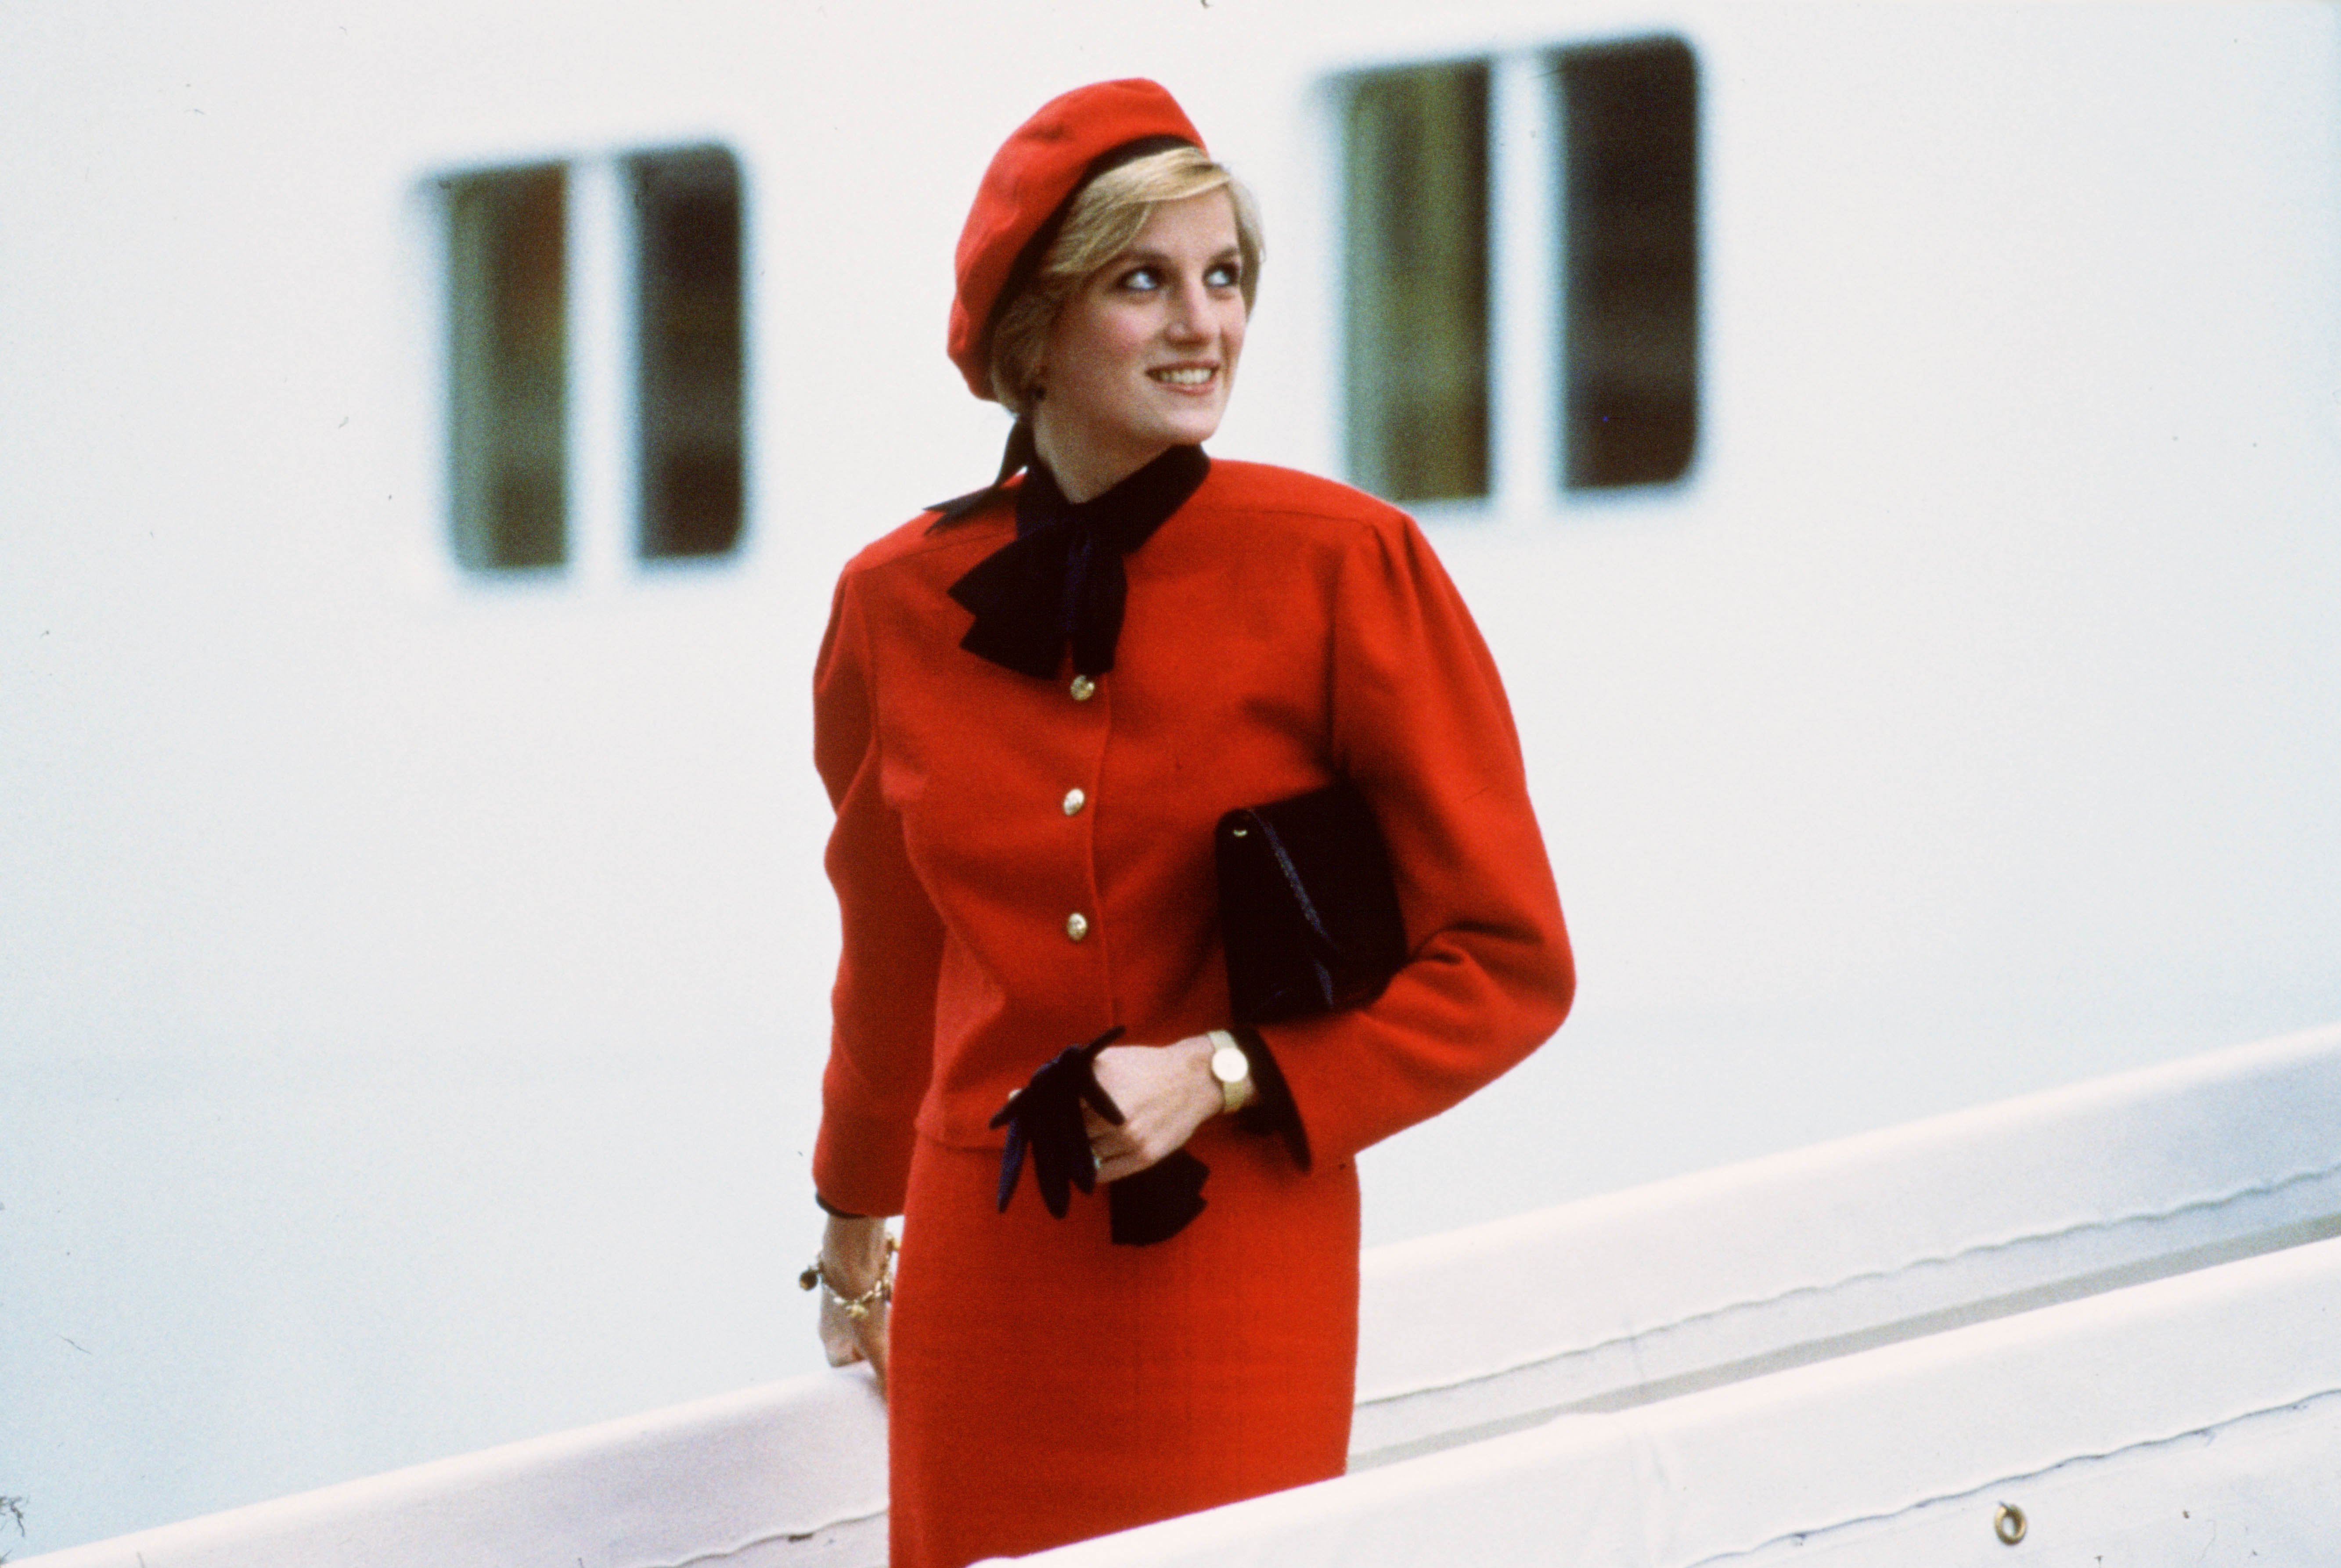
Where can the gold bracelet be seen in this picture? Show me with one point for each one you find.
(857, 1307)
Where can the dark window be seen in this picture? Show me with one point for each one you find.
(689, 350)
(1417, 278)
(508, 357)
(1629, 126)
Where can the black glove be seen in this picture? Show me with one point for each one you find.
(1045, 1117)
(1156, 1203)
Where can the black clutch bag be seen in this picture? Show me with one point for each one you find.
(1307, 911)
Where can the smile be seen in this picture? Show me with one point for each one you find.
(1186, 375)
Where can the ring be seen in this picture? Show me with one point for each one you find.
(1097, 1162)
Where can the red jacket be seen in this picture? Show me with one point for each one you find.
(1280, 630)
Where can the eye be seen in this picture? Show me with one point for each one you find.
(1139, 280)
(1227, 274)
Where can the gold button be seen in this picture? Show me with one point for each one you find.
(1082, 689)
(1074, 801)
(1077, 925)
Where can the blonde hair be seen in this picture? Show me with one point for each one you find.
(1105, 217)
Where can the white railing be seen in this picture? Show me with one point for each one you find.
(1672, 1294)
(1730, 1272)
(2195, 1419)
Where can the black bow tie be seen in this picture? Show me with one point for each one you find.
(1059, 580)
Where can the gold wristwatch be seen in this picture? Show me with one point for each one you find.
(1232, 1068)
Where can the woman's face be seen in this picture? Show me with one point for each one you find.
(1143, 355)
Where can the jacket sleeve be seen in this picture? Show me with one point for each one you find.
(883, 1007)
(1421, 725)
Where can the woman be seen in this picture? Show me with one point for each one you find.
(1032, 706)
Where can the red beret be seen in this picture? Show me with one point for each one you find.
(1031, 180)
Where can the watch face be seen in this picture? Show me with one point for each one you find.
(1230, 1066)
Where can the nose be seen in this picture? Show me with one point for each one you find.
(1191, 313)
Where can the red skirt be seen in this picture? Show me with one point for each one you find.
(1047, 1385)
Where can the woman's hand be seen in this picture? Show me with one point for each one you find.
(1164, 1094)
(852, 1258)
